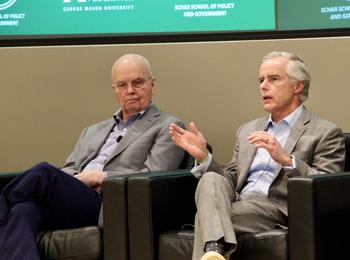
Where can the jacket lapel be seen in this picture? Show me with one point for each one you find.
(97, 142)
(297, 131)
(137, 129)
(248, 152)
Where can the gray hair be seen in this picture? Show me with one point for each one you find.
(296, 69)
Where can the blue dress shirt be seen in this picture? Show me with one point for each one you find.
(261, 172)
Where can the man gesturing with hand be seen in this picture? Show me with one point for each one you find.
(249, 194)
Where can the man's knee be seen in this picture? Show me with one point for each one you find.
(213, 185)
(43, 168)
(211, 178)
(209, 182)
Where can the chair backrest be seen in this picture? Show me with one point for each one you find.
(347, 151)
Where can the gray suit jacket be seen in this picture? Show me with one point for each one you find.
(146, 146)
(317, 145)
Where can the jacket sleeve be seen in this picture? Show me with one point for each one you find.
(71, 165)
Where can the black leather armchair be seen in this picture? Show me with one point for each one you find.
(161, 212)
(319, 208)
(107, 241)
(86, 243)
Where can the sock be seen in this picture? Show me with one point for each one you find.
(217, 246)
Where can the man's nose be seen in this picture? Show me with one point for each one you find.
(263, 85)
(130, 88)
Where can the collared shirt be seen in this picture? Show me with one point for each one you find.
(261, 172)
(113, 140)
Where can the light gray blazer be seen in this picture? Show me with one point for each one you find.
(146, 146)
(317, 145)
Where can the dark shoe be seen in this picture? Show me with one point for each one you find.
(216, 246)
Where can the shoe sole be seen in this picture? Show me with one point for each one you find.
(212, 256)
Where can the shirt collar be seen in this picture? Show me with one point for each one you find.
(290, 119)
(118, 115)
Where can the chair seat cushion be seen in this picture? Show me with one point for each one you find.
(78, 243)
(175, 245)
(265, 245)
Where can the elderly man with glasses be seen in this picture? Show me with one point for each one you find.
(135, 139)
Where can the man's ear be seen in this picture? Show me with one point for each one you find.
(299, 86)
(153, 85)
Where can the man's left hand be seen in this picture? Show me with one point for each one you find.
(93, 179)
(262, 139)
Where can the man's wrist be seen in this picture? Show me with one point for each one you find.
(199, 161)
(291, 163)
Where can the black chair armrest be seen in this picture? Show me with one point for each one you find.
(347, 152)
(115, 245)
(158, 201)
(319, 217)
(115, 218)
(6, 177)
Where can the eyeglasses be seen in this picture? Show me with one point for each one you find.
(137, 83)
